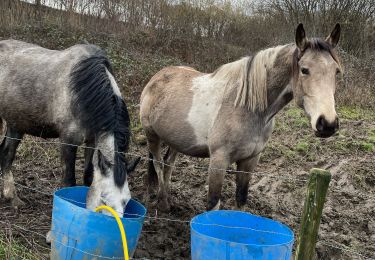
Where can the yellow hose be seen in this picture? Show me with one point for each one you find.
(121, 227)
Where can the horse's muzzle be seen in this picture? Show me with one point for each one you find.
(326, 129)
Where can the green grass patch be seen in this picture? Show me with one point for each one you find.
(12, 250)
(294, 112)
(289, 154)
(297, 117)
(355, 113)
(302, 147)
(367, 147)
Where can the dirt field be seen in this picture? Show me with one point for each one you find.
(277, 190)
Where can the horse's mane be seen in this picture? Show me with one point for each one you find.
(249, 77)
(99, 109)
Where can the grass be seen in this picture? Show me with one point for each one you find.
(368, 147)
(12, 250)
(371, 135)
(355, 113)
(302, 147)
(294, 140)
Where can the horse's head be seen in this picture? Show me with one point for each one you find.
(315, 67)
(110, 184)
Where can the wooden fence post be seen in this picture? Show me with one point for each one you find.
(312, 212)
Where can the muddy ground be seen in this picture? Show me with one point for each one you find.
(277, 190)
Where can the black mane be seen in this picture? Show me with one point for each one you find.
(99, 109)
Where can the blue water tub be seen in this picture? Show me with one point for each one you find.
(234, 235)
(78, 233)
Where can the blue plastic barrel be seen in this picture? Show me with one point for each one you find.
(235, 235)
(78, 233)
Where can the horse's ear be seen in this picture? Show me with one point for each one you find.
(334, 37)
(131, 166)
(301, 39)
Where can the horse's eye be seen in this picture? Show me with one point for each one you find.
(305, 71)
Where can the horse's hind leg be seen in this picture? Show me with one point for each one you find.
(242, 180)
(157, 163)
(8, 150)
(152, 176)
(169, 160)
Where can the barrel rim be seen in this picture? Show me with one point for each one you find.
(239, 243)
(134, 217)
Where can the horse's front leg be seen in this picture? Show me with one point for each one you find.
(219, 162)
(244, 168)
(68, 160)
(88, 173)
(8, 150)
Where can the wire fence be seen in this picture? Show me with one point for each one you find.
(331, 244)
(264, 173)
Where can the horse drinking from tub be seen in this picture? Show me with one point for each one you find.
(228, 115)
(70, 94)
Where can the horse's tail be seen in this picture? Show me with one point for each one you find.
(152, 179)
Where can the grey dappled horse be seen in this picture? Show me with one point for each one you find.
(71, 95)
(228, 115)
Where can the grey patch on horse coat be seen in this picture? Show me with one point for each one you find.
(32, 101)
(69, 94)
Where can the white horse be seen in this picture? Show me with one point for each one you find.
(70, 94)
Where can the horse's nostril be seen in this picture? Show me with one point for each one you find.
(320, 124)
(325, 128)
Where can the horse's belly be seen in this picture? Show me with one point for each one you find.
(34, 128)
(201, 151)
(44, 131)
(180, 136)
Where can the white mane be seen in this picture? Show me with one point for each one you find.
(249, 77)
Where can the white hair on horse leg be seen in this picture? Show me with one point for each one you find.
(9, 189)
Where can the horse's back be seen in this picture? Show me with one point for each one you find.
(12, 45)
(34, 84)
(171, 85)
(173, 79)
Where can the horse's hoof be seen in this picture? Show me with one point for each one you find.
(152, 190)
(216, 207)
(164, 206)
(87, 182)
(17, 202)
(67, 184)
(238, 208)
(49, 237)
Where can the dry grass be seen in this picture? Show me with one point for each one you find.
(11, 249)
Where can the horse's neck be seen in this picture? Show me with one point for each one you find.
(273, 65)
(279, 89)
